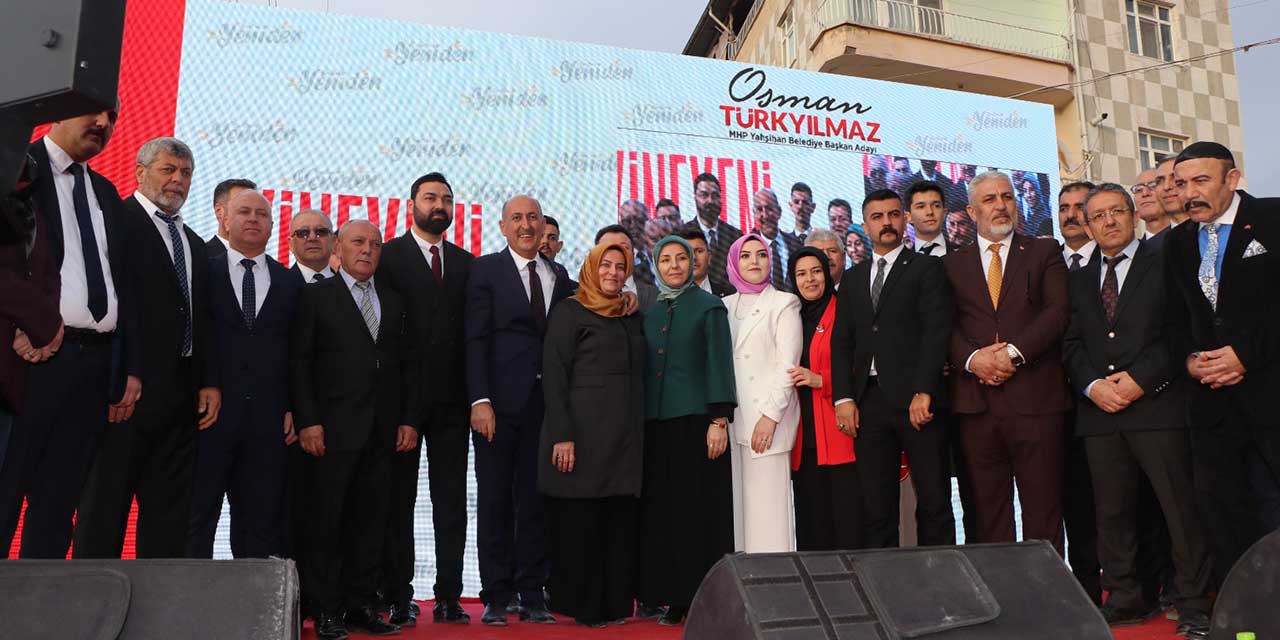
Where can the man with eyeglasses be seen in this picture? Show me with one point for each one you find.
(1168, 193)
(1147, 205)
(802, 209)
(311, 241)
(1120, 358)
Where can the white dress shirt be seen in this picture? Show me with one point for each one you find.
(162, 227)
(889, 259)
(308, 274)
(546, 276)
(705, 285)
(1085, 252)
(1228, 216)
(939, 243)
(984, 256)
(358, 295)
(426, 248)
(261, 278)
(1122, 270)
(74, 301)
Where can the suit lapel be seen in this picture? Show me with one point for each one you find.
(1092, 273)
(753, 320)
(346, 304)
(453, 266)
(861, 275)
(222, 287)
(274, 293)
(1143, 259)
(1017, 264)
(895, 274)
(1241, 236)
(48, 198)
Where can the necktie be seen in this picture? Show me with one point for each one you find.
(88, 245)
(436, 270)
(1075, 262)
(779, 276)
(995, 274)
(248, 294)
(317, 277)
(878, 285)
(180, 271)
(928, 248)
(1111, 287)
(1209, 265)
(366, 309)
(537, 303)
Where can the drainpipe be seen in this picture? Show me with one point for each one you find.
(1078, 91)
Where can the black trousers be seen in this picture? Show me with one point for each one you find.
(960, 469)
(444, 438)
(828, 504)
(1155, 560)
(1119, 463)
(511, 530)
(1078, 516)
(593, 550)
(1237, 479)
(346, 514)
(52, 445)
(884, 433)
(241, 457)
(150, 457)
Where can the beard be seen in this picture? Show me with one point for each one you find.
(432, 223)
(1002, 229)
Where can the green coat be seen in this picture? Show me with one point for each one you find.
(689, 365)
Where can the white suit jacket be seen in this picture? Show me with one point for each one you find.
(766, 343)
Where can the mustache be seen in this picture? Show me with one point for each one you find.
(1072, 222)
(1191, 204)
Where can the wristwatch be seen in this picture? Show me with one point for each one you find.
(1014, 356)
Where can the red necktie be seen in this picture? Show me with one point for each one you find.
(436, 270)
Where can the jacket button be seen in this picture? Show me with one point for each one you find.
(664, 329)
(875, 328)
(659, 374)
(1217, 322)
(1111, 335)
(1111, 367)
(659, 350)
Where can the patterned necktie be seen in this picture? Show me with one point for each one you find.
(537, 302)
(248, 294)
(928, 248)
(878, 285)
(180, 270)
(1111, 287)
(88, 245)
(995, 274)
(366, 309)
(436, 270)
(1209, 265)
(779, 276)
(1075, 262)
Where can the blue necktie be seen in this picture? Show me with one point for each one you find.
(1208, 274)
(180, 270)
(248, 294)
(88, 245)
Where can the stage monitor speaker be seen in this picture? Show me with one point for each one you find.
(1250, 595)
(149, 599)
(971, 592)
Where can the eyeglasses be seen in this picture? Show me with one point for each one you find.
(1143, 187)
(303, 234)
(1114, 214)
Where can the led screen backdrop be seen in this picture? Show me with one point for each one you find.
(341, 114)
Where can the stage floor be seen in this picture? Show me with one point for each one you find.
(1158, 628)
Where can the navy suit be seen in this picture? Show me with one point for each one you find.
(242, 455)
(504, 365)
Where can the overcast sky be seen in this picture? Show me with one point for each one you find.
(665, 25)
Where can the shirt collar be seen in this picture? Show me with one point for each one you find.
(705, 285)
(1228, 216)
(152, 209)
(890, 257)
(1130, 249)
(234, 257)
(426, 246)
(308, 273)
(705, 228)
(1085, 250)
(521, 263)
(58, 158)
(350, 280)
(983, 243)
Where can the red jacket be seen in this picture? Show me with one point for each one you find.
(833, 447)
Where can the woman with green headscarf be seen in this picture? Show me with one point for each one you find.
(686, 505)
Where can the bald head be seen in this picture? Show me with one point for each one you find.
(522, 225)
(359, 248)
(248, 221)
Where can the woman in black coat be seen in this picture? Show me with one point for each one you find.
(589, 464)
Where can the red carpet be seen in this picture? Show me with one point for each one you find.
(1157, 629)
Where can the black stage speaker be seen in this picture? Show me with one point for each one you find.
(971, 592)
(149, 599)
(62, 59)
(1250, 595)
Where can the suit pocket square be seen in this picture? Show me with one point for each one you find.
(1255, 248)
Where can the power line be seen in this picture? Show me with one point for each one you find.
(1152, 67)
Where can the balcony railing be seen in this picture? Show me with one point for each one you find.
(912, 18)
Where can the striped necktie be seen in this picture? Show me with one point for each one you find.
(366, 309)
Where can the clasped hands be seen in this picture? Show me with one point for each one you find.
(33, 354)
(1217, 368)
(312, 438)
(992, 365)
(1115, 392)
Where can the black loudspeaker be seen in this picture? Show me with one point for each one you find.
(149, 599)
(971, 592)
(1251, 593)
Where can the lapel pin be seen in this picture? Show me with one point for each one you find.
(1247, 227)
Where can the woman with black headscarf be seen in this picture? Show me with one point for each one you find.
(828, 496)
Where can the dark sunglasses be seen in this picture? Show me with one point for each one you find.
(303, 234)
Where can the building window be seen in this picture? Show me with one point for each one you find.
(787, 27)
(1153, 147)
(1150, 30)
